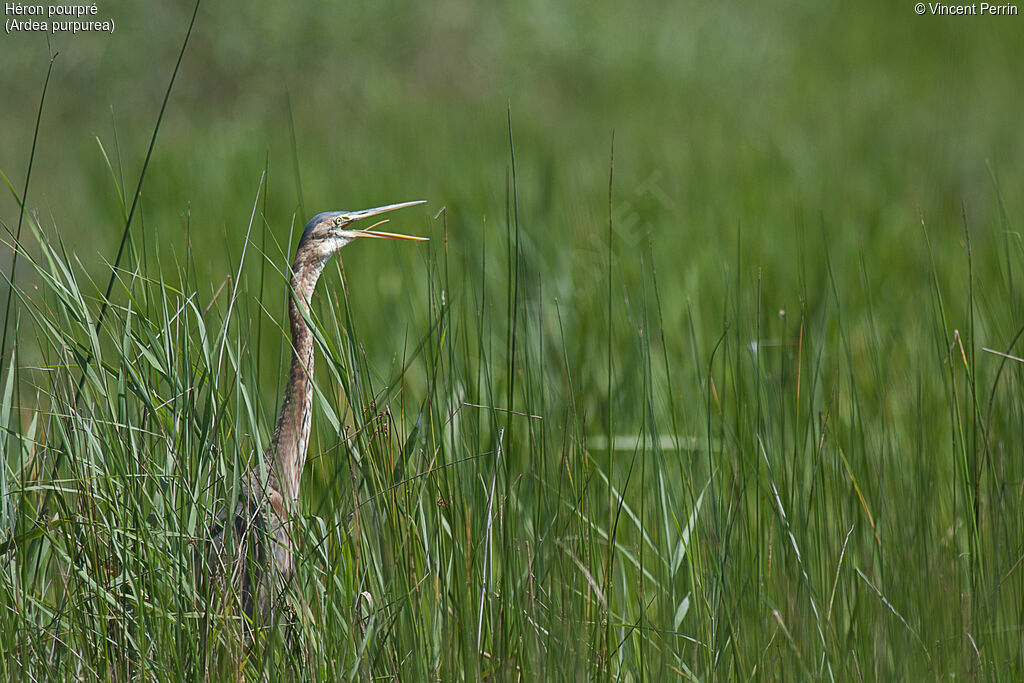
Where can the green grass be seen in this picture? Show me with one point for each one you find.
(741, 417)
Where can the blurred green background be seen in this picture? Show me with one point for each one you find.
(771, 157)
(767, 119)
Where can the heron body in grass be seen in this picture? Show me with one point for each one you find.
(252, 546)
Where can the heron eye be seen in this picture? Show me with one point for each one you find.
(338, 220)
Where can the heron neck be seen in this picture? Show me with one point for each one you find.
(291, 436)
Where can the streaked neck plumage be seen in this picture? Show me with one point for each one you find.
(286, 455)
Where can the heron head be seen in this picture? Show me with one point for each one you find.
(328, 232)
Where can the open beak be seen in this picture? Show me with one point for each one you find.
(368, 232)
(387, 235)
